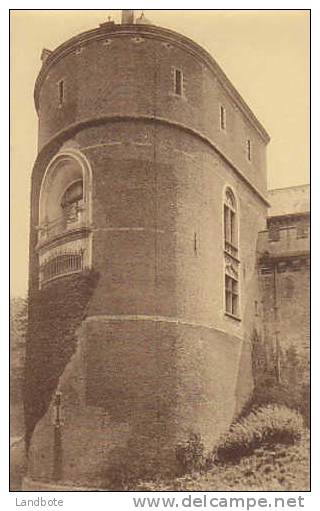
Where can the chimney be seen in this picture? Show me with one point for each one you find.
(45, 54)
(127, 17)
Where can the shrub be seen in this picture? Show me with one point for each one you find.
(271, 392)
(265, 426)
(191, 455)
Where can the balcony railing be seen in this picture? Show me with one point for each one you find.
(62, 264)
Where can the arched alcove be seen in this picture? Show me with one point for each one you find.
(65, 216)
(66, 170)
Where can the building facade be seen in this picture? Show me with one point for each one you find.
(284, 275)
(148, 201)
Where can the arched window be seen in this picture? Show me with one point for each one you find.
(231, 254)
(230, 223)
(73, 194)
(72, 201)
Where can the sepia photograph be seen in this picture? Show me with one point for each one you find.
(160, 250)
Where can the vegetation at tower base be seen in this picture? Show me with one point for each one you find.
(55, 314)
(265, 426)
(18, 330)
(192, 456)
(266, 451)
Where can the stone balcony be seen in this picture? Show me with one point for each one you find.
(61, 227)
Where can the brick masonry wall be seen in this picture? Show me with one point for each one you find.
(131, 393)
(125, 77)
(186, 367)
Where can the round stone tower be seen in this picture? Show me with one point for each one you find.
(147, 199)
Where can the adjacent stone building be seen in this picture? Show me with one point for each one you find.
(284, 274)
(149, 205)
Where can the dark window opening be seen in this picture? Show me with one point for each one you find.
(266, 270)
(178, 82)
(282, 267)
(61, 92)
(274, 233)
(249, 150)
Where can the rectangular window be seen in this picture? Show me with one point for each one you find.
(223, 119)
(274, 233)
(61, 92)
(302, 231)
(266, 270)
(231, 296)
(249, 150)
(230, 230)
(178, 82)
(282, 266)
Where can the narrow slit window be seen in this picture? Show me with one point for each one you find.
(61, 91)
(178, 82)
(223, 119)
(249, 150)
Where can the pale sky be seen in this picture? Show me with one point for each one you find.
(265, 54)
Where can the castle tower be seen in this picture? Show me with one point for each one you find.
(148, 194)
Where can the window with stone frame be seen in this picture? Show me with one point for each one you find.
(230, 223)
(231, 296)
(231, 255)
